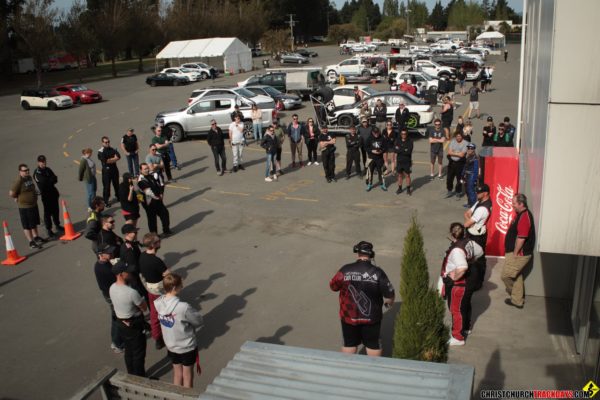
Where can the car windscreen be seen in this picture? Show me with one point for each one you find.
(244, 92)
(370, 91)
(185, 70)
(271, 91)
(78, 88)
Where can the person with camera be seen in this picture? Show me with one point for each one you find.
(364, 289)
(376, 146)
(327, 146)
(461, 254)
(152, 193)
(130, 205)
(353, 145)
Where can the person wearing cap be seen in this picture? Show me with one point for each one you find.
(152, 194)
(353, 145)
(364, 289)
(457, 150)
(470, 174)
(130, 146)
(105, 278)
(236, 112)
(24, 194)
(474, 99)
(129, 309)
(128, 196)
(519, 244)
(280, 135)
(129, 253)
(376, 146)
(327, 146)
(510, 128)
(489, 131)
(46, 182)
(364, 131)
(476, 219)
(402, 115)
(162, 149)
(216, 141)
(109, 157)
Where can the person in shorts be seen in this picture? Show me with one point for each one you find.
(364, 289)
(178, 322)
(436, 146)
(474, 99)
(24, 193)
(403, 147)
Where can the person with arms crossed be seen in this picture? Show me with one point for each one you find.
(110, 172)
(24, 194)
(46, 181)
(236, 141)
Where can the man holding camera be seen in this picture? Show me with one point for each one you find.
(364, 289)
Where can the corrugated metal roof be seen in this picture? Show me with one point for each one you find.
(268, 371)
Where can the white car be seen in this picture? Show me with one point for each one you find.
(433, 68)
(261, 101)
(44, 98)
(420, 111)
(343, 95)
(428, 81)
(349, 67)
(468, 52)
(204, 70)
(193, 76)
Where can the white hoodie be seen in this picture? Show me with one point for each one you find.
(178, 322)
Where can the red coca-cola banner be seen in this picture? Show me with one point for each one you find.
(502, 176)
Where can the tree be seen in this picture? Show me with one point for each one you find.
(501, 10)
(274, 41)
(402, 9)
(34, 26)
(419, 332)
(110, 27)
(504, 28)
(418, 14)
(143, 30)
(390, 8)
(76, 35)
(465, 14)
(342, 32)
(391, 28)
(437, 18)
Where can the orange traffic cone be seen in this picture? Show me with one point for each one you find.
(12, 256)
(70, 233)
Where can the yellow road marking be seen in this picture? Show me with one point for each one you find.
(178, 187)
(76, 162)
(65, 145)
(210, 201)
(105, 118)
(78, 130)
(70, 137)
(91, 124)
(135, 108)
(233, 193)
(301, 199)
(65, 154)
(374, 205)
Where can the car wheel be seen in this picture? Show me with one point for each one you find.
(177, 133)
(52, 106)
(204, 75)
(345, 121)
(25, 105)
(175, 82)
(413, 121)
(366, 74)
(318, 97)
(248, 131)
(153, 83)
(331, 74)
(433, 89)
(77, 100)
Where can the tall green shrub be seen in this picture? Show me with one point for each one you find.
(419, 332)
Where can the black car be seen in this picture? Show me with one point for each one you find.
(163, 79)
(289, 101)
(307, 53)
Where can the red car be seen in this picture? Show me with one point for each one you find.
(79, 93)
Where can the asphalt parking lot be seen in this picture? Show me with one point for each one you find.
(256, 257)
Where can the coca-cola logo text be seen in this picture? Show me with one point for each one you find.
(504, 196)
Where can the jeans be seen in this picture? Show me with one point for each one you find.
(133, 164)
(257, 130)
(311, 145)
(135, 345)
(115, 336)
(471, 184)
(172, 155)
(296, 148)
(270, 164)
(90, 189)
(237, 149)
(219, 153)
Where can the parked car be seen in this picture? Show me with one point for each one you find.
(434, 69)
(299, 81)
(44, 98)
(466, 51)
(289, 101)
(307, 53)
(421, 112)
(193, 76)
(350, 67)
(293, 58)
(195, 118)
(163, 79)
(205, 70)
(413, 77)
(472, 68)
(343, 95)
(260, 100)
(79, 93)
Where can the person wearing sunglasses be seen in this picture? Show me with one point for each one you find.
(216, 141)
(107, 236)
(109, 157)
(25, 195)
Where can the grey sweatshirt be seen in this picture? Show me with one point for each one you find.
(178, 322)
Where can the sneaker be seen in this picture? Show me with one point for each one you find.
(399, 190)
(456, 342)
(369, 187)
(159, 344)
(459, 195)
(221, 173)
(167, 233)
(315, 163)
(334, 179)
(328, 180)
(116, 349)
(409, 191)
(178, 168)
(294, 164)
(274, 177)
(51, 235)
(449, 194)
(300, 165)
(308, 164)
(34, 245)
(383, 187)
(268, 179)
(280, 172)
(241, 167)
(39, 240)
(347, 177)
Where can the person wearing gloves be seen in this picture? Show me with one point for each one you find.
(178, 322)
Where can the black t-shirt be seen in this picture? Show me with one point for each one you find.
(325, 137)
(104, 276)
(362, 287)
(151, 267)
(130, 143)
(376, 143)
(148, 182)
(488, 135)
(404, 149)
(130, 254)
(133, 206)
(106, 153)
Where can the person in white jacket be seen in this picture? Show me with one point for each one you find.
(178, 323)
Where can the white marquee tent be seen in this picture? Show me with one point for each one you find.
(496, 38)
(227, 54)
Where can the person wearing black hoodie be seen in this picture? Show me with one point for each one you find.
(216, 141)
(376, 146)
(46, 181)
(130, 205)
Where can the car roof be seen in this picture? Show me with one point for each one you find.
(351, 87)
(220, 96)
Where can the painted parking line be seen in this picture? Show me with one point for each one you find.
(64, 145)
(70, 137)
(65, 154)
(79, 130)
(105, 118)
(210, 201)
(233, 193)
(178, 187)
(91, 124)
(301, 199)
(369, 205)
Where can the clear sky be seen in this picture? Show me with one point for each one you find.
(517, 5)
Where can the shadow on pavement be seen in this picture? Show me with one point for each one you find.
(481, 300)
(493, 377)
(192, 161)
(276, 338)
(172, 258)
(189, 197)
(6, 282)
(191, 173)
(183, 272)
(191, 221)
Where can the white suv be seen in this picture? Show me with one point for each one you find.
(434, 69)
(349, 67)
(192, 76)
(206, 71)
(44, 98)
(260, 100)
